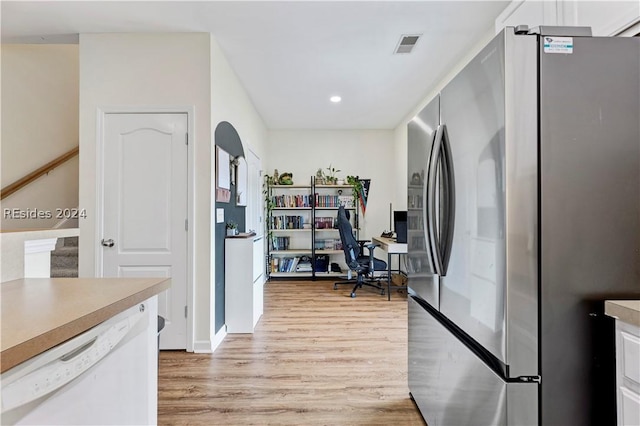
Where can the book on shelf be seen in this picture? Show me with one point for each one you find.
(291, 201)
(280, 243)
(328, 244)
(286, 222)
(324, 222)
(294, 264)
(286, 264)
(328, 200)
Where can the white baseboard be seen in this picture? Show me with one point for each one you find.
(202, 347)
(219, 337)
(208, 346)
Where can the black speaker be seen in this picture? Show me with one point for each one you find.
(400, 226)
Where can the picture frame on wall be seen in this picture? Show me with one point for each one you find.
(223, 176)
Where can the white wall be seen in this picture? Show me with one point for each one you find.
(39, 123)
(364, 153)
(229, 102)
(162, 70)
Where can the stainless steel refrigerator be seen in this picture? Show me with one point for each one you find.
(524, 216)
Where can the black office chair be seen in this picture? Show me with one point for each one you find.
(363, 266)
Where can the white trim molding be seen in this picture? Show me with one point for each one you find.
(37, 257)
(40, 246)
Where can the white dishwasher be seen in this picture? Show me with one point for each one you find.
(107, 375)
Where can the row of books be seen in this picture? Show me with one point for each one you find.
(291, 264)
(286, 222)
(291, 200)
(280, 243)
(334, 201)
(324, 222)
(328, 244)
(414, 201)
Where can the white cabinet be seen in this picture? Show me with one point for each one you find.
(243, 282)
(627, 315)
(604, 17)
(628, 373)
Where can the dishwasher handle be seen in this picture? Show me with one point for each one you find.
(76, 352)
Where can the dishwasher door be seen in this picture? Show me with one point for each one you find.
(107, 375)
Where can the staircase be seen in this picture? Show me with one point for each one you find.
(64, 259)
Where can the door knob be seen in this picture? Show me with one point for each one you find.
(108, 243)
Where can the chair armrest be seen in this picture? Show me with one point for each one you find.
(361, 243)
(372, 247)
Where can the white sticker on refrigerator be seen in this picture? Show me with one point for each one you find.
(558, 44)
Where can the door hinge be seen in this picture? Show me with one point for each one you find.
(186, 310)
(186, 224)
(186, 138)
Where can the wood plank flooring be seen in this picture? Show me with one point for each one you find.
(317, 357)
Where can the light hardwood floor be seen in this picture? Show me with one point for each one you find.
(317, 357)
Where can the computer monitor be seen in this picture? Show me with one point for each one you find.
(400, 226)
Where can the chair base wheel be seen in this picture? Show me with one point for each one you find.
(353, 294)
(335, 286)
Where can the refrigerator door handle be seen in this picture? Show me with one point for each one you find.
(449, 204)
(431, 222)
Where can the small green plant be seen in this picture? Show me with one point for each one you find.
(331, 177)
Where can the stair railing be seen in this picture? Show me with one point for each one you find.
(26, 180)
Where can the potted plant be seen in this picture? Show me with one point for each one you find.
(232, 228)
(356, 187)
(330, 177)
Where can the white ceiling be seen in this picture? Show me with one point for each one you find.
(292, 56)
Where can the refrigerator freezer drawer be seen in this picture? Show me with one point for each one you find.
(451, 386)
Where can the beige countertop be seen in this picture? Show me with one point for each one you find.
(40, 313)
(625, 310)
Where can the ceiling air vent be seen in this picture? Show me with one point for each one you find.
(406, 43)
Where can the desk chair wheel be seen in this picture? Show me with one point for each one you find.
(353, 294)
(335, 286)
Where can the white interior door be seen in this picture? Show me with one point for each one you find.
(145, 209)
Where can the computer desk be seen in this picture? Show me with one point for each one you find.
(391, 247)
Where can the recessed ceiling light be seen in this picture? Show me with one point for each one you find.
(335, 99)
